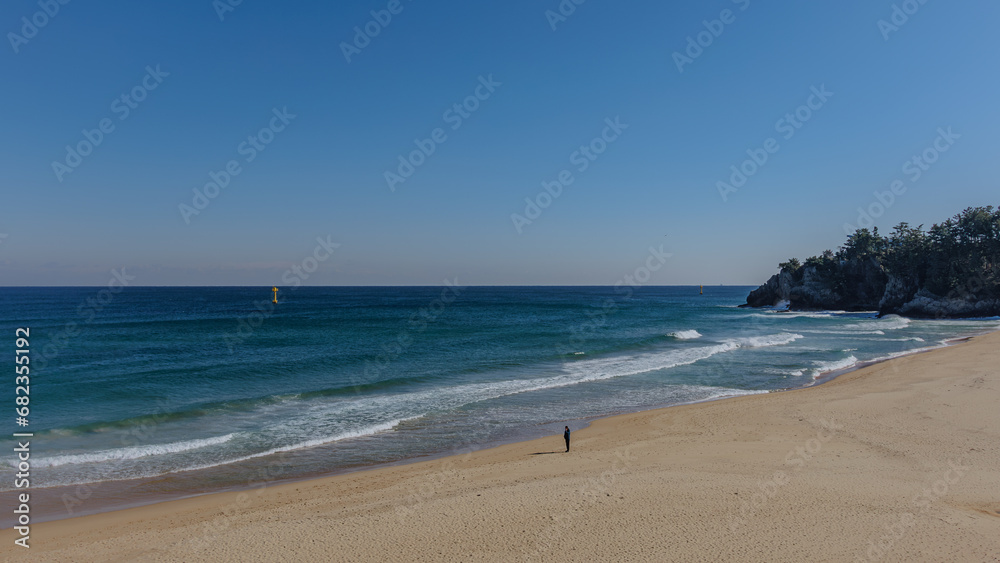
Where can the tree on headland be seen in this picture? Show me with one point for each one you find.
(863, 244)
(791, 266)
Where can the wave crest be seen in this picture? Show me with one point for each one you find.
(132, 452)
(779, 339)
(835, 365)
(685, 334)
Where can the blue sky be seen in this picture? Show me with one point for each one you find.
(220, 80)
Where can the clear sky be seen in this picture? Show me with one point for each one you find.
(197, 85)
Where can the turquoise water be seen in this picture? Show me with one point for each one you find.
(167, 391)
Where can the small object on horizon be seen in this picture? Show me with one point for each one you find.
(275, 290)
(702, 290)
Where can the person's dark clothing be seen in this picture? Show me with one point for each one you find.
(566, 437)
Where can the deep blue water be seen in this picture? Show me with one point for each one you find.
(152, 383)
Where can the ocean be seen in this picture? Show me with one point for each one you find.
(156, 393)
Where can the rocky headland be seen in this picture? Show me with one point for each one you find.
(951, 270)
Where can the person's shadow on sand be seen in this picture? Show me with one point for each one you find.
(544, 453)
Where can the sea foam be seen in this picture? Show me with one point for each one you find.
(685, 334)
(132, 452)
(835, 365)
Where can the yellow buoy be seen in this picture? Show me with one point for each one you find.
(701, 292)
(275, 290)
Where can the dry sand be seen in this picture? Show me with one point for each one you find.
(895, 462)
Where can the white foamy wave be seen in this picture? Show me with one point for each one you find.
(723, 393)
(786, 314)
(607, 368)
(892, 322)
(573, 373)
(127, 475)
(685, 334)
(765, 341)
(782, 371)
(842, 332)
(825, 367)
(133, 452)
(888, 322)
(895, 355)
(366, 431)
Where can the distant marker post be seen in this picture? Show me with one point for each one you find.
(275, 290)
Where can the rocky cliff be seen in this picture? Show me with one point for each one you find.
(858, 286)
(869, 289)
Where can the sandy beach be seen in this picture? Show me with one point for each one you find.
(897, 461)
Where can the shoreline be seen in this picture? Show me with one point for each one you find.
(158, 498)
(724, 448)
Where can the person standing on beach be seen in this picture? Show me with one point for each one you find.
(566, 437)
